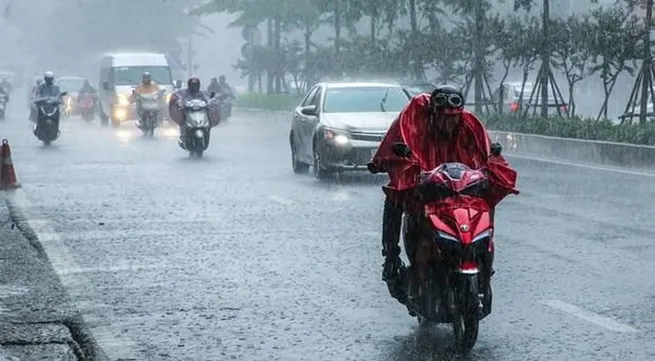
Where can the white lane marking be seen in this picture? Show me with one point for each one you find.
(281, 200)
(62, 260)
(587, 166)
(341, 196)
(588, 316)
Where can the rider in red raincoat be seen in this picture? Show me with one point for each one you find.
(437, 129)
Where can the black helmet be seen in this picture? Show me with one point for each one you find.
(146, 78)
(193, 84)
(447, 99)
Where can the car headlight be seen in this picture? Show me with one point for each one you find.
(336, 138)
(123, 100)
(341, 139)
(167, 97)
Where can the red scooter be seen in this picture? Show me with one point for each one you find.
(450, 245)
(87, 105)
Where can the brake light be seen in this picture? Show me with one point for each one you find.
(329, 134)
(514, 106)
(468, 267)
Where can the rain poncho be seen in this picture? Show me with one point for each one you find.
(45, 90)
(147, 89)
(470, 145)
(176, 112)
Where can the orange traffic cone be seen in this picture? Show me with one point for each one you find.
(7, 173)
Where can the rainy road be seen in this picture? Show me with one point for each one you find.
(235, 257)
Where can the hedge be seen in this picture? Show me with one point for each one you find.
(268, 101)
(576, 128)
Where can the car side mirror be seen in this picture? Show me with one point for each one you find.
(496, 149)
(63, 94)
(105, 85)
(310, 110)
(401, 150)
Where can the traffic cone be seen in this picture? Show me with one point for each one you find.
(7, 174)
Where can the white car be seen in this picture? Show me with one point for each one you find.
(338, 126)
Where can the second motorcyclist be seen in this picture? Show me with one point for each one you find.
(192, 91)
(46, 89)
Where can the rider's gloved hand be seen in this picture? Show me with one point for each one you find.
(373, 168)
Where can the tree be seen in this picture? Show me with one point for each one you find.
(545, 75)
(613, 48)
(475, 16)
(528, 46)
(572, 53)
(508, 35)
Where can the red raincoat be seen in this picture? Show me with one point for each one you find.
(470, 145)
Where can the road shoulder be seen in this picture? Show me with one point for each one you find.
(37, 318)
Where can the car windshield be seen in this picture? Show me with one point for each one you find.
(365, 99)
(131, 75)
(70, 84)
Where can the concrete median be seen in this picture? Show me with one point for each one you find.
(37, 318)
(579, 151)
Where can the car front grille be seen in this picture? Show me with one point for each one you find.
(367, 136)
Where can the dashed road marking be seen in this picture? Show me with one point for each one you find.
(341, 196)
(281, 200)
(588, 316)
(64, 264)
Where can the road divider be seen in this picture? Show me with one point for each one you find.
(545, 148)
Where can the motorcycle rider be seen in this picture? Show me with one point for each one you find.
(441, 131)
(5, 84)
(192, 91)
(214, 86)
(87, 89)
(45, 89)
(147, 86)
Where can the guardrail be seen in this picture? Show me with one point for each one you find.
(576, 150)
(566, 149)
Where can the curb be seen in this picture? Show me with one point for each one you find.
(86, 347)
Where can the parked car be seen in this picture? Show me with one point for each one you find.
(338, 126)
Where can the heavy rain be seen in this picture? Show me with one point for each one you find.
(378, 180)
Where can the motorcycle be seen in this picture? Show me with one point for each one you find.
(48, 114)
(225, 106)
(4, 99)
(198, 127)
(452, 240)
(148, 107)
(87, 105)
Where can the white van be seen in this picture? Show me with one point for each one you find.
(122, 72)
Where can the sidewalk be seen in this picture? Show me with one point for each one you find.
(37, 319)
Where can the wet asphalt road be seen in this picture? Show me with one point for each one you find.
(235, 257)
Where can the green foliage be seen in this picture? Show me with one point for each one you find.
(268, 101)
(576, 128)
